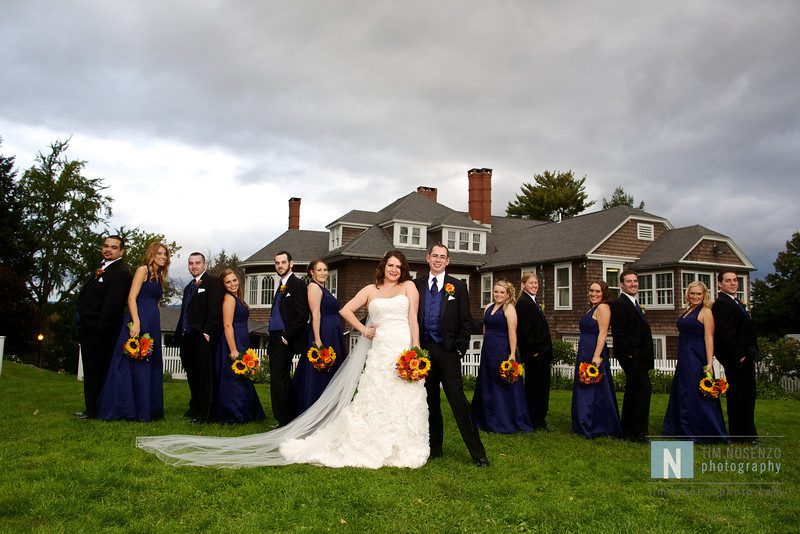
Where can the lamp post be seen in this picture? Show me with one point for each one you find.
(39, 338)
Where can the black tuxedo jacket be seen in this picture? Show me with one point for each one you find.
(102, 299)
(734, 335)
(633, 340)
(533, 332)
(204, 312)
(294, 311)
(455, 320)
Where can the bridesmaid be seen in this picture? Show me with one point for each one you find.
(500, 406)
(689, 413)
(594, 406)
(134, 389)
(324, 330)
(236, 400)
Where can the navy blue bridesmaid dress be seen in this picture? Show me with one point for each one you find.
(498, 406)
(235, 399)
(594, 406)
(134, 389)
(689, 412)
(309, 383)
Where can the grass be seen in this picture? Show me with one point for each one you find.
(58, 474)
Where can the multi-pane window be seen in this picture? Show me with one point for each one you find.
(656, 290)
(409, 235)
(335, 238)
(486, 289)
(464, 241)
(252, 290)
(333, 281)
(687, 277)
(267, 290)
(563, 286)
(611, 276)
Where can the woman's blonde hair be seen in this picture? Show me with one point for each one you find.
(512, 294)
(706, 294)
(154, 271)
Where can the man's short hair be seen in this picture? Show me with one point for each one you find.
(198, 254)
(282, 252)
(118, 238)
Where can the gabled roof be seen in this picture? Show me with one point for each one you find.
(304, 245)
(674, 245)
(535, 242)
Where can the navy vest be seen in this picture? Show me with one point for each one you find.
(433, 307)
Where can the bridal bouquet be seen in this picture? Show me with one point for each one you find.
(246, 364)
(511, 370)
(589, 373)
(713, 388)
(321, 358)
(138, 348)
(413, 364)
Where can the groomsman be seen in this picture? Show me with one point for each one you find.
(445, 325)
(197, 331)
(736, 349)
(101, 304)
(287, 335)
(633, 348)
(535, 350)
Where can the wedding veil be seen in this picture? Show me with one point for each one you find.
(263, 449)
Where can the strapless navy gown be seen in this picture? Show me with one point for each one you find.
(689, 412)
(308, 383)
(498, 406)
(134, 389)
(235, 399)
(594, 406)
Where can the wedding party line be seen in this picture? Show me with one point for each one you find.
(339, 409)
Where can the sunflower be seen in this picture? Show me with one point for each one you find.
(313, 354)
(505, 365)
(424, 364)
(132, 347)
(592, 371)
(239, 367)
(707, 386)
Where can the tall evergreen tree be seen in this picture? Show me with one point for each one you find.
(776, 298)
(553, 196)
(620, 198)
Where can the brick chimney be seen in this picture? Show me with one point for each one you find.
(429, 192)
(480, 195)
(294, 213)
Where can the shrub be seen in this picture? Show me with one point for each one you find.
(563, 382)
(469, 382)
(564, 352)
(661, 381)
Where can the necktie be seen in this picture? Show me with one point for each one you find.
(434, 287)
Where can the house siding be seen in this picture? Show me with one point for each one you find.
(624, 241)
(704, 252)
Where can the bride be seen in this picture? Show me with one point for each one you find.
(383, 423)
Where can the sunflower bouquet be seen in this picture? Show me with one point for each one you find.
(589, 373)
(711, 388)
(511, 370)
(246, 364)
(138, 348)
(321, 358)
(413, 364)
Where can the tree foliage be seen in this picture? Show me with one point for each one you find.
(620, 198)
(553, 196)
(776, 298)
(221, 261)
(62, 210)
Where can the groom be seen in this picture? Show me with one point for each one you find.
(445, 325)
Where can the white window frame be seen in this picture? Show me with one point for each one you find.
(335, 237)
(660, 353)
(645, 232)
(487, 279)
(412, 231)
(332, 283)
(695, 275)
(608, 266)
(648, 298)
(454, 237)
(742, 293)
(251, 285)
(463, 277)
(558, 303)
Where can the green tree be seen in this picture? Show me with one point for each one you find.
(17, 312)
(221, 261)
(553, 196)
(62, 211)
(620, 198)
(136, 243)
(776, 298)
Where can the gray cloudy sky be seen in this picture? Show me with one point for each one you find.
(204, 117)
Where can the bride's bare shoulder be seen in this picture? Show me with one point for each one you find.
(409, 287)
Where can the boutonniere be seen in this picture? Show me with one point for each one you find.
(541, 306)
(450, 289)
(641, 309)
(198, 282)
(283, 288)
(99, 272)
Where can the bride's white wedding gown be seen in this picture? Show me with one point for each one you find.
(385, 423)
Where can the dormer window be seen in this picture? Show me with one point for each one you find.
(409, 235)
(471, 241)
(335, 238)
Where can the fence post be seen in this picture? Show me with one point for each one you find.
(80, 364)
(2, 352)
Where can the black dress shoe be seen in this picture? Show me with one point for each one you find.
(482, 462)
(436, 453)
(81, 415)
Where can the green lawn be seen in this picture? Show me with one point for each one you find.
(58, 474)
